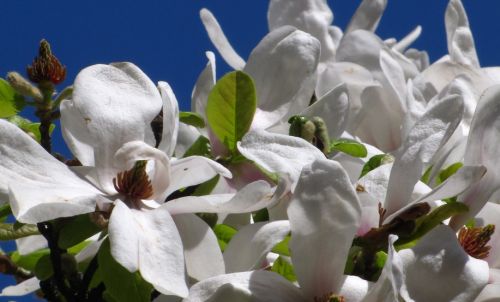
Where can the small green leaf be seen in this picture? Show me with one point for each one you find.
(120, 284)
(43, 268)
(201, 147)
(426, 223)
(29, 127)
(5, 211)
(449, 171)
(284, 268)
(427, 174)
(350, 147)
(9, 231)
(380, 258)
(282, 247)
(261, 215)
(206, 187)
(375, 162)
(231, 106)
(77, 230)
(28, 261)
(192, 118)
(10, 102)
(224, 233)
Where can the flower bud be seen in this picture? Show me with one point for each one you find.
(23, 86)
(46, 67)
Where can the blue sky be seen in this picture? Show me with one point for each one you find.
(167, 40)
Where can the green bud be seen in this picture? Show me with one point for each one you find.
(296, 123)
(23, 86)
(69, 265)
(312, 130)
(322, 139)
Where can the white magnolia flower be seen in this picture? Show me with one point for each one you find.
(324, 215)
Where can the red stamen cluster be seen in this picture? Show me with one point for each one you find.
(46, 67)
(134, 183)
(474, 240)
(329, 298)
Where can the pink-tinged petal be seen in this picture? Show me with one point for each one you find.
(256, 286)
(283, 67)
(248, 248)
(324, 215)
(220, 41)
(459, 37)
(117, 104)
(253, 197)
(428, 134)
(367, 16)
(391, 283)
(194, 170)
(201, 249)
(75, 133)
(170, 119)
(480, 150)
(131, 152)
(490, 214)
(453, 186)
(405, 42)
(149, 241)
(204, 83)
(311, 16)
(26, 287)
(333, 108)
(277, 153)
(438, 269)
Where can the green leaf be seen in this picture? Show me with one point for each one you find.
(206, 187)
(427, 175)
(449, 171)
(191, 118)
(77, 230)
(261, 215)
(282, 247)
(29, 127)
(351, 147)
(10, 102)
(5, 211)
(380, 258)
(231, 107)
(43, 268)
(120, 284)
(201, 147)
(224, 233)
(9, 231)
(284, 268)
(28, 261)
(426, 223)
(375, 162)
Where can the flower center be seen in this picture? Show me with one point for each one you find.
(474, 240)
(330, 298)
(134, 183)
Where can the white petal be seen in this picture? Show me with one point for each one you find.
(282, 154)
(26, 287)
(75, 133)
(333, 108)
(283, 67)
(438, 269)
(427, 135)
(204, 83)
(404, 43)
(311, 16)
(148, 241)
(480, 150)
(194, 170)
(250, 245)
(324, 216)
(490, 214)
(220, 41)
(253, 197)
(89, 251)
(367, 16)
(460, 42)
(201, 249)
(170, 119)
(129, 153)
(489, 294)
(354, 288)
(186, 137)
(30, 244)
(256, 286)
(394, 75)
(117, 104)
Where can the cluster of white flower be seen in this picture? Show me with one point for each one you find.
(330, 166)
